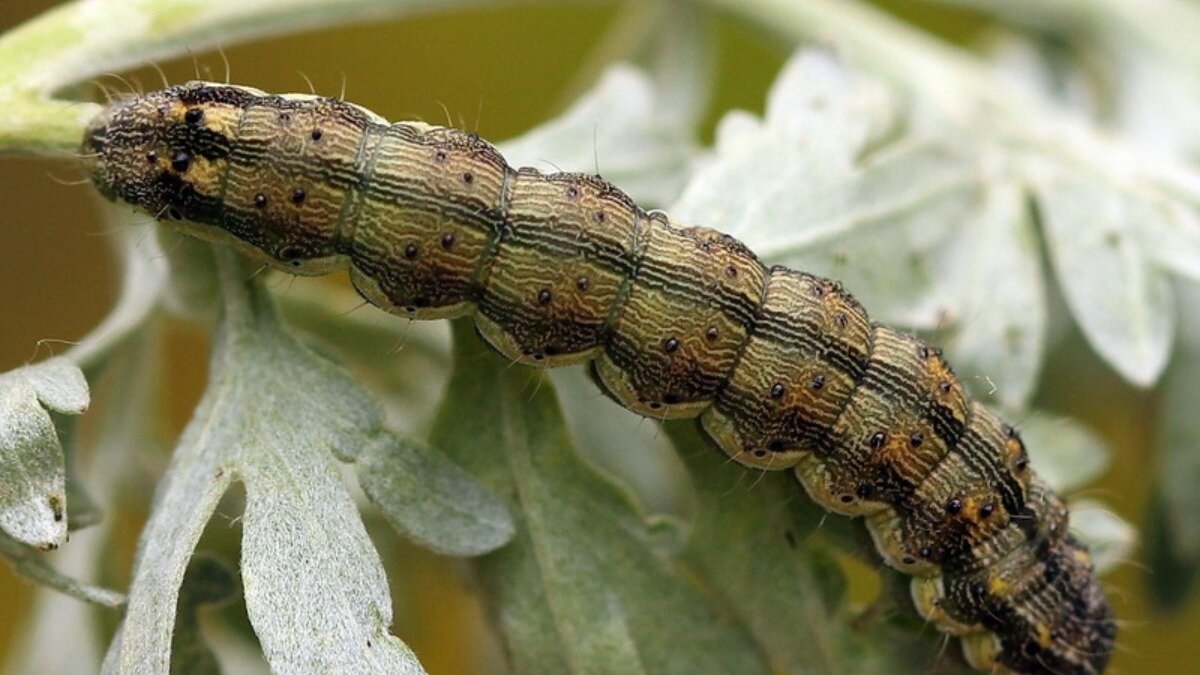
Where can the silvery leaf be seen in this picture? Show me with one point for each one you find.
(828, 182)
(33, 499)
(278, 418)
(1096, 236)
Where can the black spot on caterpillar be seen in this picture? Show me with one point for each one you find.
(783, 368)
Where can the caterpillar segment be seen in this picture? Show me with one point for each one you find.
(784, 369)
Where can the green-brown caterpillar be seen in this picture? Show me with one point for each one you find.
(783, 369)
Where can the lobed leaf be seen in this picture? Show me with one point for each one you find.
(1121, 300)
(1083, 180)
(277, 418)
(61, 635)
(185, 500)
(33, 498)
(315, 588)
(823, 184)
(1116, 222)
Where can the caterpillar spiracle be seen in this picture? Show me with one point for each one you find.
(783, 368)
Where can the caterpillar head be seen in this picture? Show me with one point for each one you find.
(165, 150)
(172, 153)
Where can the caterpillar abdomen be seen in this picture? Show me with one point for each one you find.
(784, 369)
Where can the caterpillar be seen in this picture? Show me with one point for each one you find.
(784, 369)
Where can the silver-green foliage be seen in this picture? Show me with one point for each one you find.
(937, 185)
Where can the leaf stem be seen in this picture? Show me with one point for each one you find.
(29, 564)
(80, 40)
(239, 293)
(42, 126)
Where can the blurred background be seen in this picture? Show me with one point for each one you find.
(57, 279)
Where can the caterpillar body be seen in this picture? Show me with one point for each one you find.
(784, 369)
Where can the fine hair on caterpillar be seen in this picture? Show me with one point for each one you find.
(783, 369)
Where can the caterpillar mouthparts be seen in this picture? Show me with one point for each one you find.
(784, 369)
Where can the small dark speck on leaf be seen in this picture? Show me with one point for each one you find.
(56, 507)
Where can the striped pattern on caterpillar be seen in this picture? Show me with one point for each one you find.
(783, 368)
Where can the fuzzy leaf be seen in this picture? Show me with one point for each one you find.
(1121, 300)
(33, 498)
(316, 592)
(825, 184)
(60, 635)
(431, 500)
(1116, 218)
(991, 297)
(1086, 182)
(185, 500)
(315, 589)
(583, 587)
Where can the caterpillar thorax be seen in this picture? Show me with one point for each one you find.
(783, 368)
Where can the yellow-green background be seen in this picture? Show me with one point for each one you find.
(509, 69)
